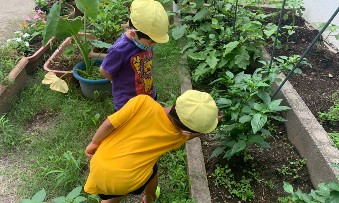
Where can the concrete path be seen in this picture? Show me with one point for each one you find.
(12, 14)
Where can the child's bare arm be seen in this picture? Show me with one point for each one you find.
(102, 132)
(105, 74)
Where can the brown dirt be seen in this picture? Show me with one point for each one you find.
(315, 86)
(66, 62)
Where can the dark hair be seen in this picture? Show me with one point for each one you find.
(139, 34)
(175, 118)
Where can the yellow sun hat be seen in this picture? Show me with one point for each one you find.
(150, 18)
(197, 111)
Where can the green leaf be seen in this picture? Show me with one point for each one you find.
(238, 146)
(51, 23)
(229, 47)
(259, 107)
(265, 97)
(200, 71)
(224, 101)
(244, 119)
(198, 56)
(212, 61)
(288, 187)
(201, 14)
(217, 151)
(79, 199)
(101, 44)
(179, 31)
(74, 193)
(67, 28)
(199, 3)
(256, 138)
(39, 196)
(272, 105)
(59, 200)
(258, 121)
(242, 59)
(278, 118)
(88, 7)
(334, 197)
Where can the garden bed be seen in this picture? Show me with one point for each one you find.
(315, 86)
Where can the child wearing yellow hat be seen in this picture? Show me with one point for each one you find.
(128, 63)
(128, 144)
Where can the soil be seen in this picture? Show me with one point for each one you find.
(66, 61)
(315, 85)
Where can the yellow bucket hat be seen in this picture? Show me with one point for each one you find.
(197, 111)
(150, 18)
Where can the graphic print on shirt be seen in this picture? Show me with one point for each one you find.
(142, 66)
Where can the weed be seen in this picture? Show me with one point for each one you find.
(335, 137)
(292, 169)
(173, 173)
(9, 136)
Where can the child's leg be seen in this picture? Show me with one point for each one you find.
(113, 200)
(150, 189)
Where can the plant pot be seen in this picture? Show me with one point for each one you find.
(65, 74)
(57, 53)
(77, 12)
(7, 93)
(94, 54)
(100, 89)
(37, 58)
(71, 15)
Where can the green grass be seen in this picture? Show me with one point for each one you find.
(46, 132)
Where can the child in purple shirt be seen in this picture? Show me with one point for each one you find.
(128, 63)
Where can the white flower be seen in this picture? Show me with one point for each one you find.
(27, 44)
(26, 35)
(18, 39)
(18, 32)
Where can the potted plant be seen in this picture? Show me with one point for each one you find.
(87, 72)
(43, 7)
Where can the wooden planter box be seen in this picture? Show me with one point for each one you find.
(8, 93)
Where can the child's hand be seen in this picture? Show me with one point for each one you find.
(91, 149)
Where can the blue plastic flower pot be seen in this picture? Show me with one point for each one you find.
(101, 88)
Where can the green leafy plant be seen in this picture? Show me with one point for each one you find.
(9, 57)
(107, 27)
(292, 169)
(20, 42)
(326, 192)
(218, 40)
(248, 107)
(59, 27)
(73, 197)
(297, 9)
(335, 137)
(9, 137)
(288, 63)
(332, 115)
(225, 177)
(70, 168)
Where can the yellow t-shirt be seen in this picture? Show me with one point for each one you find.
(125, 159)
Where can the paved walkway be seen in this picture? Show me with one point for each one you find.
(12, 14)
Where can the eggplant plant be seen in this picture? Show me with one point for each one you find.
(61, 28)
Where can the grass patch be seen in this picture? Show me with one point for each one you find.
(46, 132)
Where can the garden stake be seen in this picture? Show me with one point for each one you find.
(276, 34)
(306, 52)
(235, 15)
